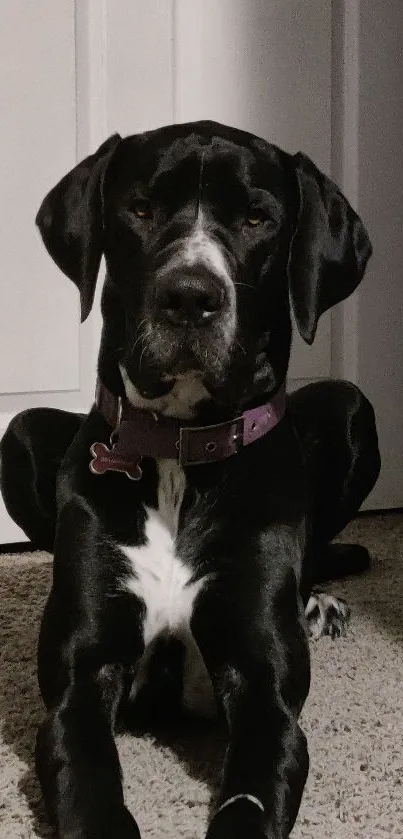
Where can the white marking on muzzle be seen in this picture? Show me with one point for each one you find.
(200, 248)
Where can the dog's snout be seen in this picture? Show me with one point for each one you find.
(185, 297)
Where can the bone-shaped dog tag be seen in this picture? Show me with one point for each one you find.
(105, 460)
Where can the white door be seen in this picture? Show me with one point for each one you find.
(47, 358)
(84, 70)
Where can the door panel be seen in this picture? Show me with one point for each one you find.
(39, 333)
(46, 357)
(139, 56)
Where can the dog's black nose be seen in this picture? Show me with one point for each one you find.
(194, 298)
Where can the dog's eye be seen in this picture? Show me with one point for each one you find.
(256, 216)
(142, 209)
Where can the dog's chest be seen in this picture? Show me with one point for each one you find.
(160, 578)
(163, 581)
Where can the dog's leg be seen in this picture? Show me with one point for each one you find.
(78, 765)
(90, 638)
(337, 430)
(31, 452)
(259, 665)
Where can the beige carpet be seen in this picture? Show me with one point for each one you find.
(353, 718)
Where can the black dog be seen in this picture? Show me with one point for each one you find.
(202, 565)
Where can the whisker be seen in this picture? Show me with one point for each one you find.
(140, 335)
(141, 355)
(147, 340)
(240, 346)
(139, 339)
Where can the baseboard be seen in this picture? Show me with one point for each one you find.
(18, 547)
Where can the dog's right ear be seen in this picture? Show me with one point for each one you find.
(329, 251)
(70, 222)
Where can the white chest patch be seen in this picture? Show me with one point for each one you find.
(164, 584)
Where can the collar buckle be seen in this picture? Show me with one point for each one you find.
(211, 442)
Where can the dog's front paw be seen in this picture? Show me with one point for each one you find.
(129, 827)
(326, 615)
(120, 825)
(241, 819)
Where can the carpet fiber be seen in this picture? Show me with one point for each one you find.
(353, 717)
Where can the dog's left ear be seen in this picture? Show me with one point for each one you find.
(70, 222)
(329, 250)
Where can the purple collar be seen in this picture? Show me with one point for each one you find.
(138, 433)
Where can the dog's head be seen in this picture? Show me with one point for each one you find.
(207, 233)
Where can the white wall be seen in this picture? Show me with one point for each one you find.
(367, 128)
